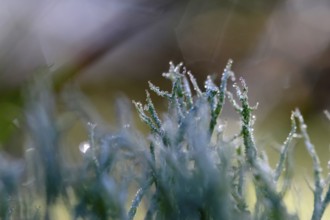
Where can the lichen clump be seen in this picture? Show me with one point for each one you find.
(184, 169)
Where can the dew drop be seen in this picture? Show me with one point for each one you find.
(91, 125)
(29, 149)
(16, 122)
(296, 136)
(84, 147)
(220, 128)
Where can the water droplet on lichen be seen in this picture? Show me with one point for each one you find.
(16, 122)
(84, 147)
(91, 125)
(220, 128)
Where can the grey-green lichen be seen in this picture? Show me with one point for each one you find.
(184, 169)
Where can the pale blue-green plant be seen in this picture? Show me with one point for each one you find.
(186, 168)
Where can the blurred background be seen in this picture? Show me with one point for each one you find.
(281, 48)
